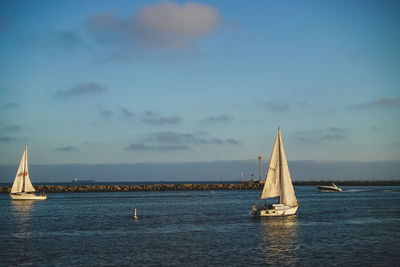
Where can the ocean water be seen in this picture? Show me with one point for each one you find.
(359, 227)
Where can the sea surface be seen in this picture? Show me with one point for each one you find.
(358, 227)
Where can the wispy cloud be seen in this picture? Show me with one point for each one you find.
(378, 103)
(232, 141)
(279, 106)
(150, 117)
(324, 130)
(67, 149)
(125, 113)
(337, 130)
(12, 105)
(324, 134)
(66, 39)
(182, 138)
(217, 119)
(168, 141)
(162, 25)
(117, 56)
(84, 89)
(12, 128)
(104, 113)
(332, 137)
(273, 106)
(156, 118)
(376, 128)
(162, 148)
(7, 139)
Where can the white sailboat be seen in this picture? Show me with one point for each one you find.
(22, 188)
(277, 184)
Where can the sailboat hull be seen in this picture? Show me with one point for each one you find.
(27, 196)
(277, 212)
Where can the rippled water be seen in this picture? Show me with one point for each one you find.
(357, 227)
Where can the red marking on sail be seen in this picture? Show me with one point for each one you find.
(25, 174)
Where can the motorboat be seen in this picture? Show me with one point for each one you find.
(329, 188)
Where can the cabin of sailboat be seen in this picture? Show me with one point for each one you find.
(22, 188)
(278, 183)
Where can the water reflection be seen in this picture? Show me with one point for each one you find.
(23, 207)
(279, 240)
(21, 213)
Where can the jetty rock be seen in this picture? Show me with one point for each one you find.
(249, 185)
(145, 187)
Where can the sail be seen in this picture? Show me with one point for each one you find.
(278, 181)
(272, 186)
(22, 183)
(28, 185)
(287, 197)
(19, 180)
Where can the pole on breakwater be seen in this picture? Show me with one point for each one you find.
(134, 214)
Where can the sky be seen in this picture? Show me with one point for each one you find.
(142, 82)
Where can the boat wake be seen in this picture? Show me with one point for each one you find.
(357, 190)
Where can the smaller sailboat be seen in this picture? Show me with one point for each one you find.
(277, 184)
(22, 188)
(329, 188)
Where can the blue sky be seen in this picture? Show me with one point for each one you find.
(174, 81)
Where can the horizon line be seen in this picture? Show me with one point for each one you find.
(203, 161)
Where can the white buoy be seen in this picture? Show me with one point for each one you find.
(134, 214)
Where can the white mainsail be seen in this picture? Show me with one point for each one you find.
(272, 184)
(278, 182)
(22, 183)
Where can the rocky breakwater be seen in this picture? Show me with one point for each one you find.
(146, 187)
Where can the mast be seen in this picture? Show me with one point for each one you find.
(287, 196)
(25, 169)
(280, 163)
(27, 184)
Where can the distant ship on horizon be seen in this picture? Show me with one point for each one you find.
(76, 180)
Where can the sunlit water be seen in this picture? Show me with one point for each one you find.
(202, 228)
